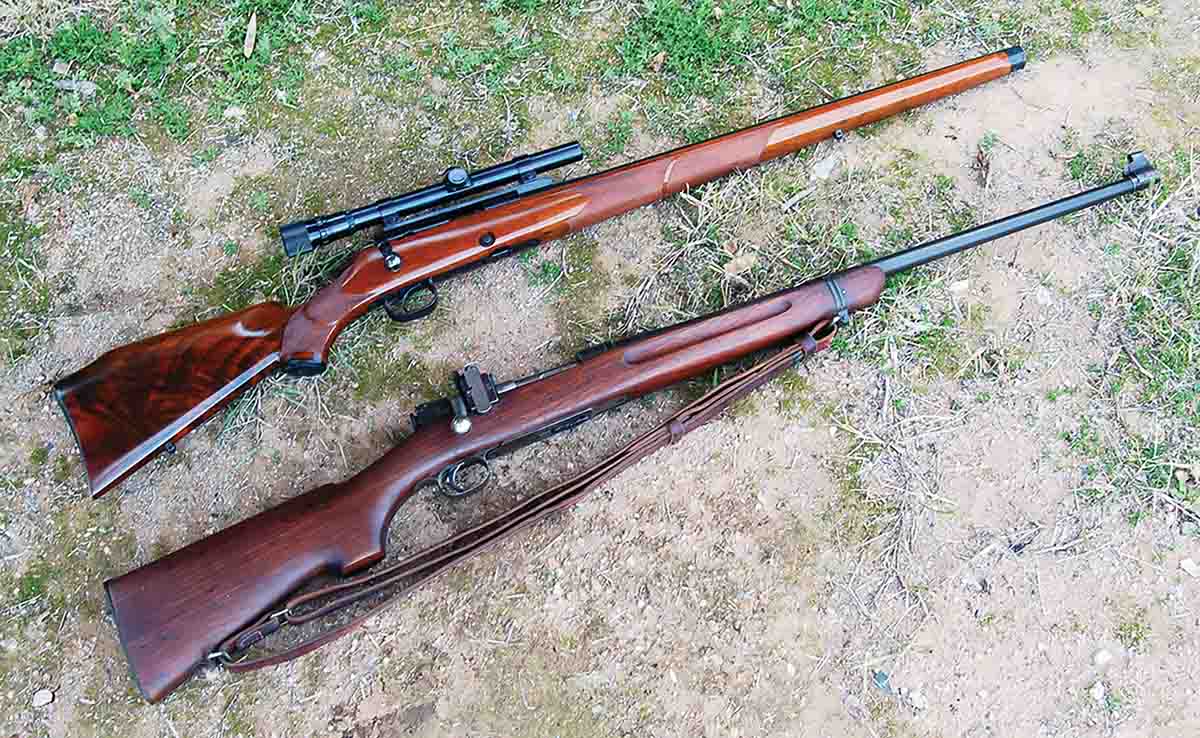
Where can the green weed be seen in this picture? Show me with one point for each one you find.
(690, 42)
(207, 155)
(39, 456)
(489, 62)
(1133, 631)
(241, 285)
(279, 25)
(619, 130)
(174, 117)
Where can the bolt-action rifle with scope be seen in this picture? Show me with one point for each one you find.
(219, 596)
(137, 400)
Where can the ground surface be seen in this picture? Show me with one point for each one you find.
(973, 517)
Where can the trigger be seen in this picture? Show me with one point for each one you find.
(402, 307)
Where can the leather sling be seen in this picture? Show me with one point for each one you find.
(437, 559)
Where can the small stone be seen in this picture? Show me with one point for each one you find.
(960, 285)
(40, 133)
(1191, 567)
(1097, 692)
(42, 697)
(740, 263)
(1190, 529)
(917, 699)
(234, 112)
(83, 87)
(825, 168)
(1043, 296)
(61, 68)
(983, 694)
(1102, 657)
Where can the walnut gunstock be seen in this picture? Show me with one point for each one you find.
(134, 401)
(171, 614)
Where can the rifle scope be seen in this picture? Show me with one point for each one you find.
(305, 235)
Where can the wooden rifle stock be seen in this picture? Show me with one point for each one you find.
(193, 372)
(172, 613)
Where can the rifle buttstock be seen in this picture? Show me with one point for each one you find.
(135, 400)
(174, 612)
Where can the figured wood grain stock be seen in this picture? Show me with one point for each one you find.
(133, 400)
(588, 200)
(173, 612)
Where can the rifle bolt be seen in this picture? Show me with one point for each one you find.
(460, 425)
(839, 135)
(487, 239)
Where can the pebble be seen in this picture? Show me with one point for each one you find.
(1101, 657)
(84, 88)
(1191, 567)
(960, 285)
(974, 583)
(1043, 296)
(917, 699)
(1097, 691)
(825, 168)
(42, 697)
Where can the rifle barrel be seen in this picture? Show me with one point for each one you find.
(1139, 173)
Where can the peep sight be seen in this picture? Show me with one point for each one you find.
(429, 205)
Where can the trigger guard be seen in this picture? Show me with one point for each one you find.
(394, 305)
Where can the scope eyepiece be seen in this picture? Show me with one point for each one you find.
(295, 238)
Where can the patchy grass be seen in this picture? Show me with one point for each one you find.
(86, 81)
(858, 514)
(26, 292)
(580, 295)
(689, 42)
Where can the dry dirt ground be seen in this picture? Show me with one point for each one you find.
(975, 516)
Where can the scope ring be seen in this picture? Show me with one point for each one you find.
(448, 481)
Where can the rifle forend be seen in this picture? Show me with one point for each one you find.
(173, 614)
(120, 426)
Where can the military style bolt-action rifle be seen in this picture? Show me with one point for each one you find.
(214, 599)
(136, 400)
